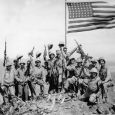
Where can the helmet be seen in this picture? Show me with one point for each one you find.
(79, 60)
(92, 98)
(72, 59)
(22, 62)
(93, 70)
(58, 52)
(64, 47)
(51, 53)
(37, 61)
(101, 58)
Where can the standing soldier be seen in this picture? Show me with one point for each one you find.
(59, 65)
(28, 74)
(105, 76)
(8, 80)
(51, 74)
(15, 67)
(20, 77)
(38, 77)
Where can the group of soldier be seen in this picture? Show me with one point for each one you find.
(87, 77)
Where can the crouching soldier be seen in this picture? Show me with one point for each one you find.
(105, 76)
(38, 78)
(93, 90)
(8, 81)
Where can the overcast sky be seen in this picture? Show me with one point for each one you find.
(28, 23)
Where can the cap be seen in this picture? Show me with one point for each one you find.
(38, 54)
(61, 44)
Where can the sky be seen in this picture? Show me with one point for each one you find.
(28, 23)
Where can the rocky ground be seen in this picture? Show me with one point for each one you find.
(71, 106)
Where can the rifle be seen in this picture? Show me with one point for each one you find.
(80, 50)
(83, 65)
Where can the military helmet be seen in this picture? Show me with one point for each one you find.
(72, 59)
(37, 61)
(58, 52)
(64, 47)
(51, 53)
(93, 70)
(22, 62)
(101, 58)
(79, 60)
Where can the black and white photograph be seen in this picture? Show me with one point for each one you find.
(57, 57)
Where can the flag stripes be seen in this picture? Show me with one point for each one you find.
(85, 16)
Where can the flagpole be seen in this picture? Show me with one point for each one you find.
(65, 26)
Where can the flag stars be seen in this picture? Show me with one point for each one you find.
(80, 10)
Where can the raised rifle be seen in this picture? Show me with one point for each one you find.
(80, 50)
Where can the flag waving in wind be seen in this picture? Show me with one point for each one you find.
(86, 16)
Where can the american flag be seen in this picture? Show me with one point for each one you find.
(86, 16)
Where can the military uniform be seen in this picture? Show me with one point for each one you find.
(105, 76)
(93, 90)
(8, 80)
(21, 78)
(72, 78)
(60, 67)
(38, 79)
(52, 76)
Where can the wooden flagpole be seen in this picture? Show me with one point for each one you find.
(65, 26)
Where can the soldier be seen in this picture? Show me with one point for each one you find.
(51, 74)
(72, 78)
(93, 64)
(38, 77)
(93, 90)
(21, 78)
(28, 74)
(8, 80)
(60, 67)
(105, 76)
(15, 67)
